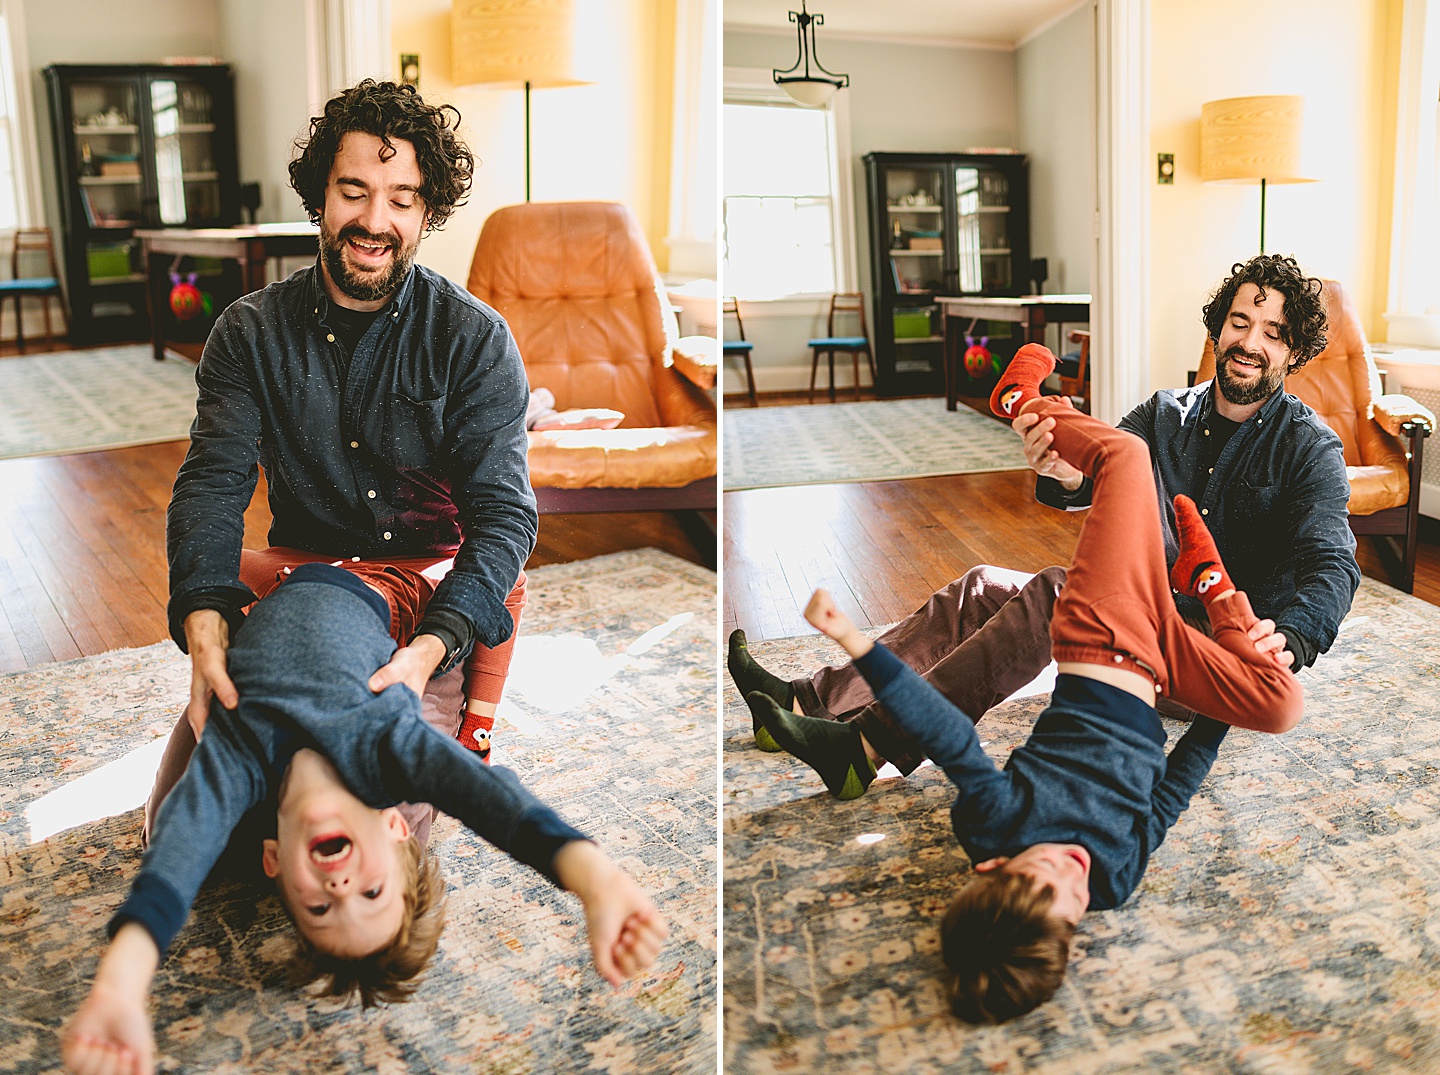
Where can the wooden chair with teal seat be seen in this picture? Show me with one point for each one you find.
(741, 347)
(841, 303)
(30, 242)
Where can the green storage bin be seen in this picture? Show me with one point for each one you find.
(913, 324)
(108, 260)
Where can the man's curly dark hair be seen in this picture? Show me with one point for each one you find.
(389, 111)
(1304, 329)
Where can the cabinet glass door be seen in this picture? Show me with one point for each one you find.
(107, 152)
(915, 215)
(983, 232)
(187, 182)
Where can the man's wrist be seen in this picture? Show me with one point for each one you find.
(430, 648)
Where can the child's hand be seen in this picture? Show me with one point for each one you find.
(1271, 643)
(110, 1035)
(826, 617)
(626, 930)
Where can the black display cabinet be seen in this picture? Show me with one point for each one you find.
(940, 224)
(136, 146)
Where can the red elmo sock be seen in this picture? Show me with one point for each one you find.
(475, 732)
(1020, 382)
(1198, 571)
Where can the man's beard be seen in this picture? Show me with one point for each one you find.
(1242, 395)
(359, 285)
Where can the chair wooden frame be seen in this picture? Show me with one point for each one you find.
(731, 306)
(843, 302)
(34, 241)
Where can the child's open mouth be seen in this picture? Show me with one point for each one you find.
(328, 852)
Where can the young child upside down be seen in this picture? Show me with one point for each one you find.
(310, 741)
(1071, 821)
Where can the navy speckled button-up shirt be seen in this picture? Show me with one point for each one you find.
(415, 447)
(1275, 503)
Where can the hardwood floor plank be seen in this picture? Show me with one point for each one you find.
(82, 549)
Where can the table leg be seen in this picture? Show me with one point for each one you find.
(952, 388)
(155, 298)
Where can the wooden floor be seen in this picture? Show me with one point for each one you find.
(82, 549)
(883, 547)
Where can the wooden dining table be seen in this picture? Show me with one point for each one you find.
(252, 246)
(960, 314)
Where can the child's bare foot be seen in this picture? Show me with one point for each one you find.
(110, 1035)
(825, 616)
(626, 930)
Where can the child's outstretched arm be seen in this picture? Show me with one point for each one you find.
(111, 1033)
(626, 930)
(823, 614)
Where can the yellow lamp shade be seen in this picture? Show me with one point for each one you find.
(1247, 139)
(512, 42)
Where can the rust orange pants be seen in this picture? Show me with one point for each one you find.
(1116, 607)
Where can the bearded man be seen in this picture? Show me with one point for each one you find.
(1266, 472)
(387, 406)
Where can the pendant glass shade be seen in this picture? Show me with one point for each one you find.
(807, 83)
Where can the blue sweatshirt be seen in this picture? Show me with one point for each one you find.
(301, 662)
(1093, 773)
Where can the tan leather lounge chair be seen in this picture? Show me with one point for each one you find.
(1383, 436)
(577, 284)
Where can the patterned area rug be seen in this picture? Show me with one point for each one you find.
(862, 442)
(86, 401)
(513, 990)
(1289, 924)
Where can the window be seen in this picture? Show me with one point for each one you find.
(785, 210)
(12, 135)
(1413, 316)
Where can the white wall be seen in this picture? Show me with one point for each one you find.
(1055, 97)
(902, 97)
(1332, 53)
(265, 42)
(106, 31)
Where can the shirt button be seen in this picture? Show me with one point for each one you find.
(330, 336)
(1118, 658)
(1207, 432)
(1203, 511)
(1210, 471)
(354, 444)
(386, 535)
(1157, 688)
(354, 559)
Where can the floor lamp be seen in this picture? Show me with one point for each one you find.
(1252, 139)
(515, 43)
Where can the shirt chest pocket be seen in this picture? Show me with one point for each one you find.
(414, 430)
(1251, 500)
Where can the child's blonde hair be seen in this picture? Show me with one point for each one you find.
(392, 973)
(1006, 952)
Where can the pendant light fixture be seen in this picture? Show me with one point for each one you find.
(807, 83)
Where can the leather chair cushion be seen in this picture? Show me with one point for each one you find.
(576, 283)
(666, 456)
